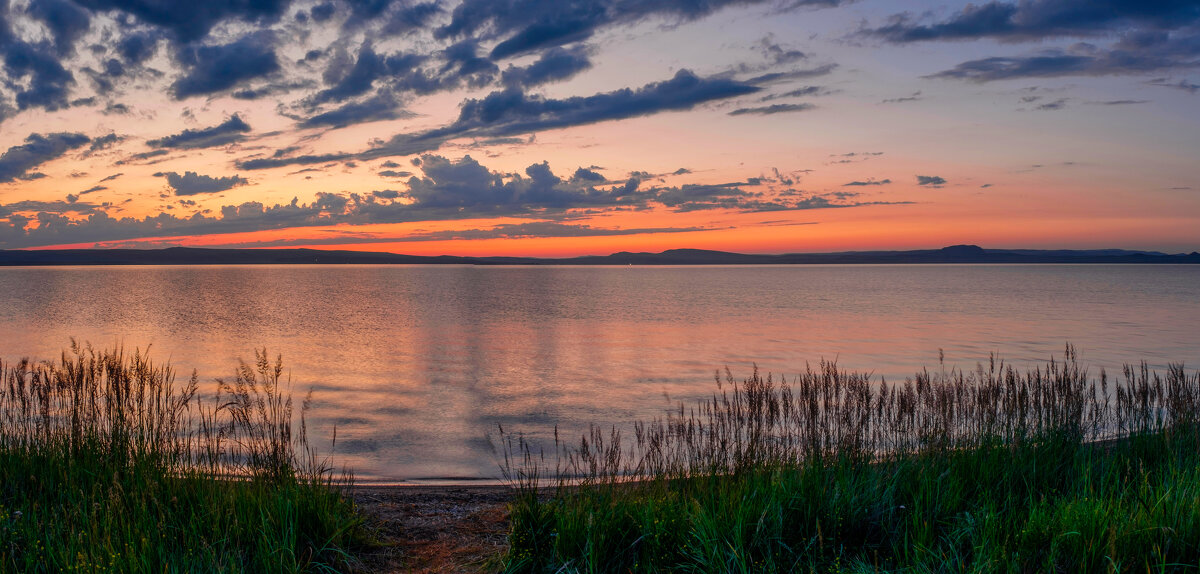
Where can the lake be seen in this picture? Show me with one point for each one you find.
(417, 366)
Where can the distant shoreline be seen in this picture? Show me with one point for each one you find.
(952, 254)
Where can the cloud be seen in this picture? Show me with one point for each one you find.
(227, 132)
(92, 189)
(1184, 85)
(192, 183)
(380, 107)
(1150, 54)
(309, 159)
(772, 109)
(789, 75)
(868, 182)
(38, 149)
(66, 22)
(587, 175)
(916, 96)
(777, 54)
(409, 18)
(394, 173)
(798, 93)
(930, 180)
(531, 25)
(512, 112)
(190, 21)
(354, 80)
(449, 189)
(1151, 36)
(212, 69)
(137, 157)
(1056, 105)
(1039, 19)
(555, 65)
(112, 177)
(48, 81)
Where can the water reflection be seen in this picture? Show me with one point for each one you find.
(416, 365)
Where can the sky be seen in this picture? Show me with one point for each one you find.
(569, 127)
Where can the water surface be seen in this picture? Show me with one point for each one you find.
(418, 365)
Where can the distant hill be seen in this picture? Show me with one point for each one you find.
(952, 254)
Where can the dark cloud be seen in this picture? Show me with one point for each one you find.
(272, 89)
(212, 69)
(914, 97)
(1056, 105)
(17, 161)
(227, 132)
(65, 20)
(104, 142)
(353, 81)
(137, 47)
(772, 109)
(39, 78)
(138, 157)
(798, 93)
(410, 18)
(386, 194)
(267, 163)
(930, 180)
(112, 177)
(530, 25)
(192, 183)
(512, 112)
(1119, 102)
(394, 173)
(587, 175)
(681, 171)
(778, 54)
(1151, 36)
(867, 182)
(1132, 55)
(1039, 19)
(323, 11)
(789, 75)
(92, 189)
(463, 63)
(382, 106)
(192, 20)
(554, 65)
(1184, 85)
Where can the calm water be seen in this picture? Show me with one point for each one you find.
(416, 366)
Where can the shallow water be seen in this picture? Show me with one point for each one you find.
(416, 366)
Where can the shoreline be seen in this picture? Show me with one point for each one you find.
(435, 528)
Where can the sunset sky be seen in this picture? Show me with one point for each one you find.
(564, 127)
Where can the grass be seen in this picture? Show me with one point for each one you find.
(108, 464)
(991, 470)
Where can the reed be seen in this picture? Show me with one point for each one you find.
(109, 463)
(992, 469)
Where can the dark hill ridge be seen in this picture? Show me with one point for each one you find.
(952, 254)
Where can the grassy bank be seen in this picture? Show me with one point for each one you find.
(108, 463)
(992, 470)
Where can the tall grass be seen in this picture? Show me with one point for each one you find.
(991, 470)
(108, 463)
